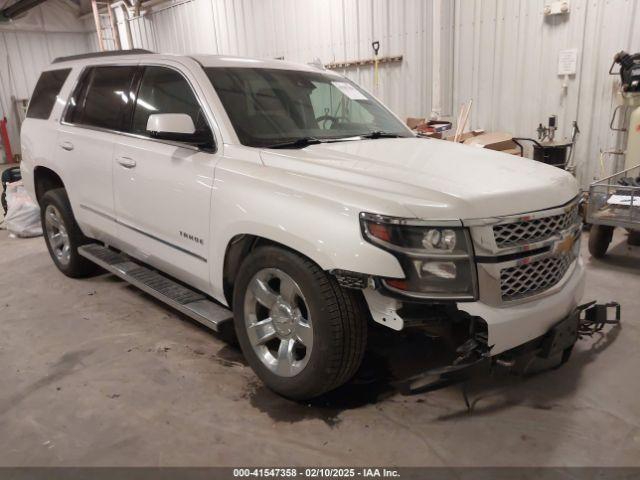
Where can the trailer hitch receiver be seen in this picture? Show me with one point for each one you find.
(595, 316)
(474, 357)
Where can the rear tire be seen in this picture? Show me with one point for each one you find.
(599, 239)
(63, 236)
(280, 297)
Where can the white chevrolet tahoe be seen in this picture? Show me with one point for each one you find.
(291, 197)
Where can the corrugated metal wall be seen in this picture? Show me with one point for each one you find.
(332, 30)
(506, 59)
(27, 46)
(501, 53)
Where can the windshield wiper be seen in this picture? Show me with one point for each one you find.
(303, 142)
(297, 143)
(380, 134)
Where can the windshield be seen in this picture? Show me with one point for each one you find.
(268, 107)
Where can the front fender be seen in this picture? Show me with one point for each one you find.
(326, 230)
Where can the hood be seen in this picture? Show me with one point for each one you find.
(433, 179)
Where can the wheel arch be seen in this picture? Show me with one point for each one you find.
(238, 247)
(45, 179)
(335, 249)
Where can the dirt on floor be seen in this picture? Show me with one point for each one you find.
(94, 373)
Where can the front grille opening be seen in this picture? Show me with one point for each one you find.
(533, 278)
(536, 230)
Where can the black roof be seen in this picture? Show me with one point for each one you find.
(110, 53)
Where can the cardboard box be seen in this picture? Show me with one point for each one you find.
(466, 135)
(499, 141)
(414, 122)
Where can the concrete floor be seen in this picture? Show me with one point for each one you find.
(94, 372)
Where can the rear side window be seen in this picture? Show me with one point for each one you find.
(103, 98)
(164, 90)
(45, 93)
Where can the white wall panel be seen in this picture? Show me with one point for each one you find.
(332, 30)
(506, 57)
(27, 46)
(501, 53)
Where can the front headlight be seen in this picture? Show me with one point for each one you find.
(437, 260)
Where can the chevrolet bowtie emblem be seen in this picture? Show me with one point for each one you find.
(565, 245)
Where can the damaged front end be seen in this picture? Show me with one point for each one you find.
(473, 356)
(494, 288)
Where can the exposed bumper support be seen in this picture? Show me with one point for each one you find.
(474, 357)
(518, 323)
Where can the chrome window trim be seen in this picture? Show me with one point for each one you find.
(135, 135)
(141, 137)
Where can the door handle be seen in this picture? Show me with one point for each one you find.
(127, 162)
(68, 146)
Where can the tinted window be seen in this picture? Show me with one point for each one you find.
(107, 100)
(74, 107)
(44, 95)
(164, 90)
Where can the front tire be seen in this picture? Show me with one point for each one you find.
(600, 237)
(63, 236)
(299, 330)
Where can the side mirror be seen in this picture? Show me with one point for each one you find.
(178, 127)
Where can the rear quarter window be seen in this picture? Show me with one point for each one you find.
(45, 93)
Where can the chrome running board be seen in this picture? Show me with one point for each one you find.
(190, 302)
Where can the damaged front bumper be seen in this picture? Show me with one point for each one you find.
(474, 357)
(508, 325)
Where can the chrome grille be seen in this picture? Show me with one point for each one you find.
(534, 230)
(535, 277)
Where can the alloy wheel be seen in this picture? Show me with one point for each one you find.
(57, 235)
(278, 322)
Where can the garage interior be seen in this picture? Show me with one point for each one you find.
(97, 373)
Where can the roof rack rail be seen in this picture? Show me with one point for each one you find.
(110, 53)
